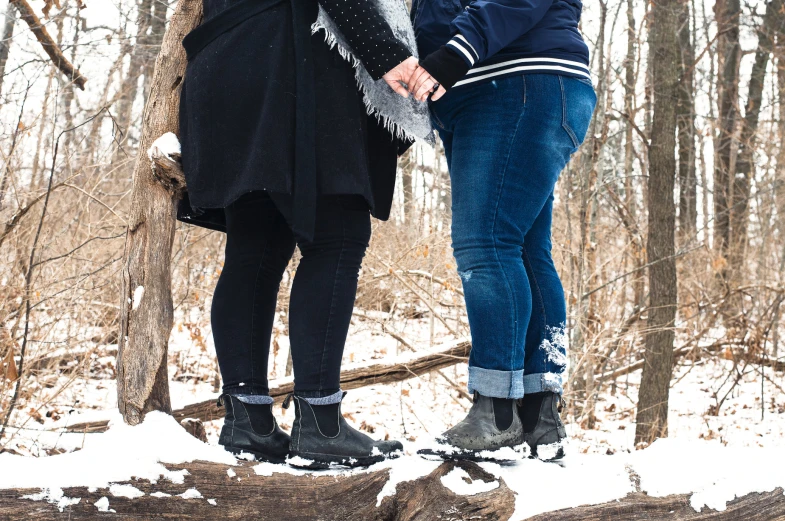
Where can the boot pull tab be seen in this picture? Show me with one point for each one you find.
(220, 401)
(287, 400)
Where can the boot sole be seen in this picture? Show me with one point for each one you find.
(258, 456)
(315, 461)
(454, 454)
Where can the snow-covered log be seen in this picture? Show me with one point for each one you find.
(146, 308)
(216, 491)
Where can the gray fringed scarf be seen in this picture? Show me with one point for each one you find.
(404, 117)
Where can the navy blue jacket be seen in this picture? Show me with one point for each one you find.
(498, 38)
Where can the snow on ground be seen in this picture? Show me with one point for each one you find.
(712, 457)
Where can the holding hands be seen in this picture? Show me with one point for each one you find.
(409, 77)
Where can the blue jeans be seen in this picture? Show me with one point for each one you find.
(506, 143)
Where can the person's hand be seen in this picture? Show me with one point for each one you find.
(421, 84)
(401, 74)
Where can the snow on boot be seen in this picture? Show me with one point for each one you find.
(251, 428)
(321, 438)
(543, 429)
(490, 432)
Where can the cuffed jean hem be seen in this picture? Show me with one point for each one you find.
(496, 384)
(542, 382)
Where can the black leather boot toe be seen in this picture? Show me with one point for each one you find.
(251, 428)
(491, 431)
(321, 438)
(543, 429)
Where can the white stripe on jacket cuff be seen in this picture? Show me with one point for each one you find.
(461, 48)
(464, 40)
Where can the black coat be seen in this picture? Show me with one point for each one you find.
(251, 97)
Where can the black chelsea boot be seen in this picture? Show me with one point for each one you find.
(252, 428)
(321, 438)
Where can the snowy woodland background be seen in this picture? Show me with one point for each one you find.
(669, 234)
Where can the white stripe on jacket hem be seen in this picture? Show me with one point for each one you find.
(511, 70)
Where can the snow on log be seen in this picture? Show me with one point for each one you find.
(212, 491)
(157, 470)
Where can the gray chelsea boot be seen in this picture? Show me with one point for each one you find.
(543, 429)
(491, 431)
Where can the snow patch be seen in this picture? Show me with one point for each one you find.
(144, 449)
(212, 502)
(177, 476)
(160, 494)
(128, 491)
(230, 472)
(167, 145)
(138, 294)
(103, 505)
(459, 482)
(555, 347)
(405, 469)
(298, 461)
(55, 496)
(191, 493)
(550, 451)
(715, 474)
(540, 487)
(268, 469)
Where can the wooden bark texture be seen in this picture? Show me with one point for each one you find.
(353, 378)
(146, 308)
(665, 57)
(353, 497)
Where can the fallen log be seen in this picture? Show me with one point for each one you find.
(210, 492)
(281, 496)
(775, 364)
(767, 506)
(361, 375)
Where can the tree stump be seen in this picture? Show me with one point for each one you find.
(146, 307)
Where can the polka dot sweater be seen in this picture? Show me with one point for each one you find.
(370, 36)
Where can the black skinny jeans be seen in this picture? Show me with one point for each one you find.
(259, 245)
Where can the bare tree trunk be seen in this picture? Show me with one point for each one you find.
(587, 254)
(131, 83)
(779, 182)
(146, 320)
(749, 126)
(157, 30)
(8, 34)
(727, 13)
(688, 215)
(665, 56)
(630, 79)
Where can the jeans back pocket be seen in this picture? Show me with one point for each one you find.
(578, 101)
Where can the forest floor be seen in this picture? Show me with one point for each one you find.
(715, 456)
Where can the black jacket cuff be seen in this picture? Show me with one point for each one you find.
(445, 66)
